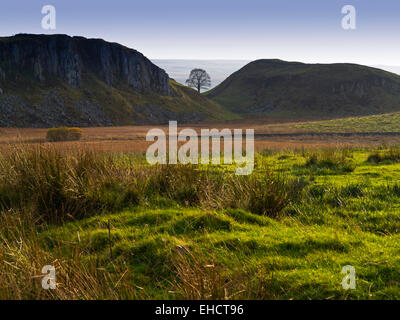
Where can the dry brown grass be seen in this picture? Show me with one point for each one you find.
(22, 256)
(201, 280)
(132, 138)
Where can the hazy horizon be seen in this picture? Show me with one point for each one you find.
(218, 69)
(308, 31)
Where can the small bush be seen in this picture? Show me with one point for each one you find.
(64, 134)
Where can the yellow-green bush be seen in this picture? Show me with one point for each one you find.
(64, 134)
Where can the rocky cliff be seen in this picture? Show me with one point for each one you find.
(71, 58)
(61, 80)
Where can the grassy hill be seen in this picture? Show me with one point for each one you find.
(377, 123)
(58, 80)
(98, 104)
(292, 89)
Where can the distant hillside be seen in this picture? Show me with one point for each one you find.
(53, 80)
(292, 89)
(389, 122)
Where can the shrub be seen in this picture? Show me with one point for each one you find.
(64, 134)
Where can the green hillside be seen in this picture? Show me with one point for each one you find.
(377, 123)
(293, 89)
(58, 80)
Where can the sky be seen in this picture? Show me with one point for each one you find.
(295, 30)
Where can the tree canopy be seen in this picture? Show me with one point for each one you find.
(199, 79)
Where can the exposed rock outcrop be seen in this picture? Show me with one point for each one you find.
(57, 80)
(70, 58)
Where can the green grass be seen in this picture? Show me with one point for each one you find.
(376, 123)
(200, 232)
(290, 259)
(385, 156)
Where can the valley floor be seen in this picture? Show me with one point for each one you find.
(271, 133)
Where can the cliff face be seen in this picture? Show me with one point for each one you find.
(57, 80)
(71, 58)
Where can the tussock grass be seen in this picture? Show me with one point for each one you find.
(268, 194)
(198, 279)
(197, 232)
(59, 185)
(23, 254)
(387, 156)
(336, 160)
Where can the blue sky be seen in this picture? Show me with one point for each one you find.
(301, 30)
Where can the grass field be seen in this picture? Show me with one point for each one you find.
(377, 123)
(116, 228)
(275, 134)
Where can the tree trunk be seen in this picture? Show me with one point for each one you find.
(198, 88)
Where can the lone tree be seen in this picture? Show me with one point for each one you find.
(199, 79)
